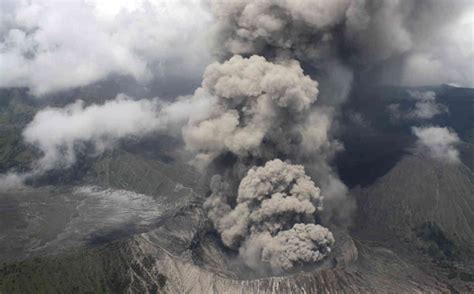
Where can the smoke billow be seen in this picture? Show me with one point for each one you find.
(263, 110)
(425, 107)
(286, 68)
(266, 108)
(408, 42)
(278, 30)
(273, 221)
(438, 142)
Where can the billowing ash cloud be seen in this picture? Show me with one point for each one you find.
(424, 108)
(288, 29)
(428, 38)
(286, 26)
(50, 46)
(262, 110)
(445, 55)
(272, 223)
(256, 106)
(265, 110)
(439, 142)
(60, 132)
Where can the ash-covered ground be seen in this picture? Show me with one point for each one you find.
(135, 216)
(244, 146)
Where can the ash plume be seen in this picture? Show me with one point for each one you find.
(272, 223)
(408, 42)
(263, 110)
(266, 107)
(286, 67)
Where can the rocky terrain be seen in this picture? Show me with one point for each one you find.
(131, 220)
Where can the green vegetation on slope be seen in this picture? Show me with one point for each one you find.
(109, 269)
(15, 113)
(436, 244)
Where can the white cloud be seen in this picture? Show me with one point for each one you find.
(12, 181)
(444, 57)
(59, 132)
(439, 142)
(425, 107)
(50, 45)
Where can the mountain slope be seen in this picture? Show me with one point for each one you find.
(419, 190)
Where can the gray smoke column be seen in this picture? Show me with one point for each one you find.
(273, 221)
(267, 108)
(412, 42)
(297, 28)
(262, 110)
(301, 30)
(397, 42)
(266, 111)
